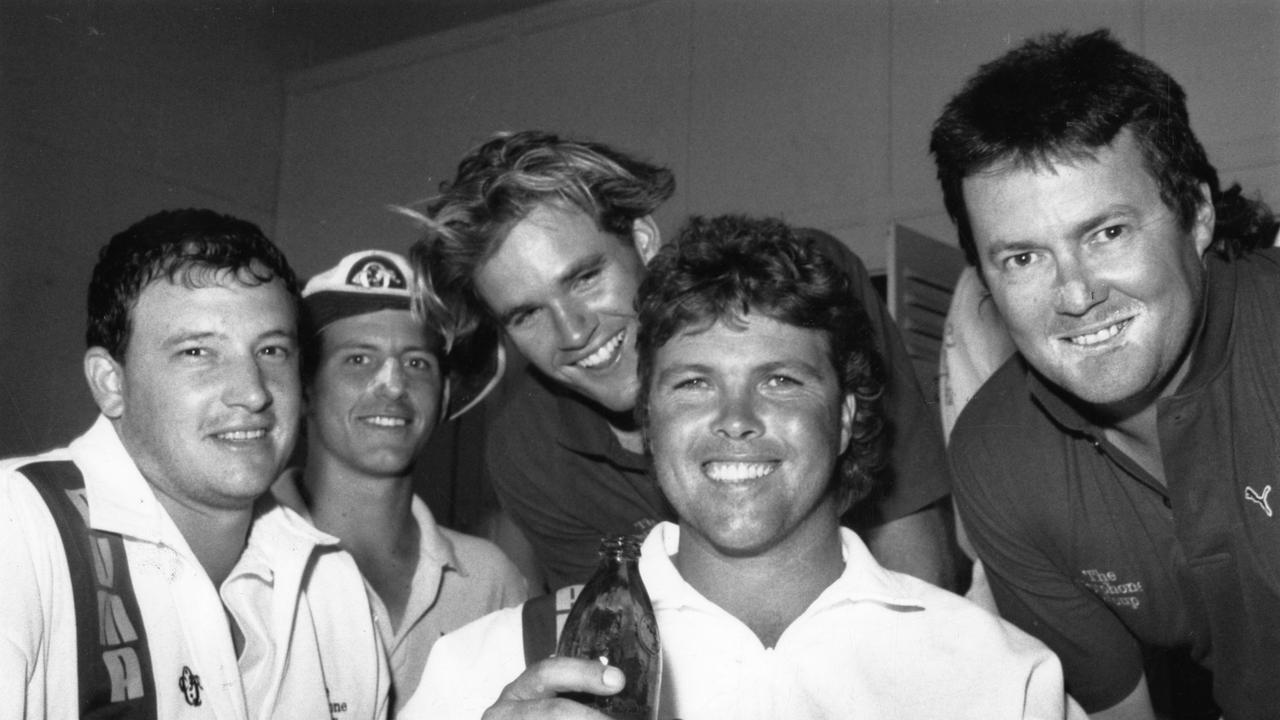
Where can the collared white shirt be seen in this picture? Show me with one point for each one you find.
(310, 650)
(874, 644)
(458, 578)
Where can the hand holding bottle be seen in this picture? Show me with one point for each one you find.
(534, 693)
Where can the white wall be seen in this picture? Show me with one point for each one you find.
(815, 110)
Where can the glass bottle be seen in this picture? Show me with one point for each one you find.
(612, 621)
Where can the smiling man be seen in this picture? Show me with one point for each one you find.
(760, 404)
(376, 386)
(1114, 476)
(146, 572)
(549, 237)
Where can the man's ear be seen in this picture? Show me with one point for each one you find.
(848, 409)
(1203, 224)
(647, 238)
(106, 381)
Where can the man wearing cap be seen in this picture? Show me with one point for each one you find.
(375, 386)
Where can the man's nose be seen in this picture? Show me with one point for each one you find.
(246, 386)
(1077, 289)
(739, 417)
(573, 324)
(390, 378)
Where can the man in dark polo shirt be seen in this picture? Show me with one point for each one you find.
(1115, 475)
(549, 237)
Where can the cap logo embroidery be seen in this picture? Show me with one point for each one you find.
(375, 273)
(1254, 496)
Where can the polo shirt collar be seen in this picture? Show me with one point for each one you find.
(1207, 359)
(863, 579)
(120, 499)
(582, 429)
(433, 547)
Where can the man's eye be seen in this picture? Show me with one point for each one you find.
(587, 277)
(1111, 232)
(781, 381)
(279, 351)
(520, 319)
(194, 352)
(690, 384)
(1020, 260)
(419, 363)
(357, 360)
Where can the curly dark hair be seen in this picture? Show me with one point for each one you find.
(723, 268)
(499, 183)
(191, 246)
(1059, 97)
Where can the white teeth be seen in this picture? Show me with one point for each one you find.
(384, 421)
(737, 471)
(242, 435)
(605, 352)
(1094, 338)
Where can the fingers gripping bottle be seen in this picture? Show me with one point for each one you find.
(612, 621)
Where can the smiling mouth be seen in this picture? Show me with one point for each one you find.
(737, 472)
(604, 354)
(242, 435)
(1100, 336)
(386, 421)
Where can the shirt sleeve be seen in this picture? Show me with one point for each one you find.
(468, 668)
(1017, 544)
(917, 474)
(31, 563)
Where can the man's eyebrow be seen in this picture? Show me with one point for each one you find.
(798, 366)
(289, 334)
(688, 368)
(506, 317)
(590, 262)
(1099, 218)
(189, 336)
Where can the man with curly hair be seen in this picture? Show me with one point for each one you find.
(759, 404)
(547, 239)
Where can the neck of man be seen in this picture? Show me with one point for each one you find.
(373, 519)
(767, 590)
(216, 537)
(1133, 426)
(623, 426)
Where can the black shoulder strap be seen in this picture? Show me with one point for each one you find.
(111, 643)
(542, 618)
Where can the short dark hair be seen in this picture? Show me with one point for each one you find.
(722, 268)
(189, 246)
(1061, 97)
(498, 184)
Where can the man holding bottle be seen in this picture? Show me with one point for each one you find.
(759, 403)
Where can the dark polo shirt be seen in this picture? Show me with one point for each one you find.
(564, 478)
(1094, 556)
